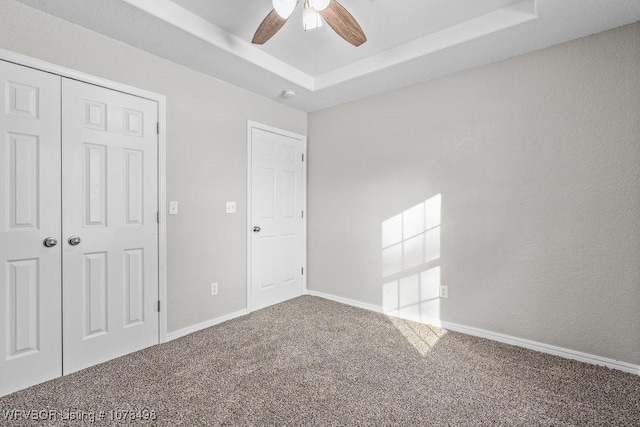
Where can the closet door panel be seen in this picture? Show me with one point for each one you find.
(110, 204)
(30, 301)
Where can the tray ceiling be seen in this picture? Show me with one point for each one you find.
(409, 41)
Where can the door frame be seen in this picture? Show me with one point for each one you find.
(161, 100)
(303, 139)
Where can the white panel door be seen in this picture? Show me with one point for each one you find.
(110, 203)
(30, 315)
(276, 218)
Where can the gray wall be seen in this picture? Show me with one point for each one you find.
(206, 152)
(538, 162)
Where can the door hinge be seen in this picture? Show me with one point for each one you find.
(302, 214)
(158, 217)
(302, 270)
(158, 306)
(158, 127)
(303, 157)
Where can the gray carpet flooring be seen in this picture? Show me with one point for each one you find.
(310, 361)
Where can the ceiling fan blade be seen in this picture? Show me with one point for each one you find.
(271, 25)
(343, 23)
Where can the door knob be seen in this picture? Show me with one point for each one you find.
(50, 242)
(74, 240)
(256, 229)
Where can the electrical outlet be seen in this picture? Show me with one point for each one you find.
(214, 289)
(231, 207)
(444, 292)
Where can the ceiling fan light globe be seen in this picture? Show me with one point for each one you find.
(311, 19)
(319, 4)
(284, 8)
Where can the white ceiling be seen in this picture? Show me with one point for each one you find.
(409, 41)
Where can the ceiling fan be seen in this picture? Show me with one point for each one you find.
(331, 11)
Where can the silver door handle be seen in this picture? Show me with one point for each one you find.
(74, 240)
(257, 229)
(50, 242)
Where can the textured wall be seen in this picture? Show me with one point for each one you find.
(206, 166)
(537, 160)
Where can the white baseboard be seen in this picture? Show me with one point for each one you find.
(347, 301)
(545, 348)
(195, 328)
(503, 338)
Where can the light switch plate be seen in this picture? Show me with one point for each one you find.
(231, 207)
(173, 207)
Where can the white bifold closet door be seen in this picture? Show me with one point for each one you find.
(30, 310)
(78, 225)
(109, 205)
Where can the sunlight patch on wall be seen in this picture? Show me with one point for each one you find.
(410, 258)
(412, 237)
(415, 297)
